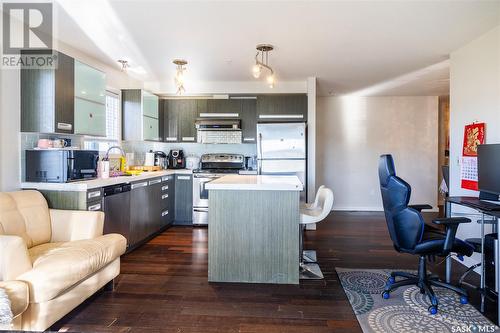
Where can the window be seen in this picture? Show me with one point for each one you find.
(112, 125)
(112, 116)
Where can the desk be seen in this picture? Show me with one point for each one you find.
(462, 201)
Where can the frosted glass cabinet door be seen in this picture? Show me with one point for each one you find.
(150, 105)
(150, 128)
(90, 83)
(90, 118)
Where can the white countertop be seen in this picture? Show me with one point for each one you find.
(256, 183)
(85, 185)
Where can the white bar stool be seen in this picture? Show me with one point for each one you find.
(313, 205)
(311, 270)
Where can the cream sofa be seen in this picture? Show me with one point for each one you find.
(52, 260)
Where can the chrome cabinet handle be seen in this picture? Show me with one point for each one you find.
(188, 138)
(137, 185)
(64, 126)
(249, 139)
(94, 207)
(184, 177)
(164, 196)
(94, 194)
(164, 213)
(281, 116)
(164, 188)
(155, 181)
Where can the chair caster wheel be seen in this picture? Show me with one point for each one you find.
(433, 309)
(386, 295)
(464, 300)
(391, 280)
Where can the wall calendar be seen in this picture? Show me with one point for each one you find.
(474, 135)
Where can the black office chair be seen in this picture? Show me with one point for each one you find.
(409, 234)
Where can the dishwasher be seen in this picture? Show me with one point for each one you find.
(115, 206)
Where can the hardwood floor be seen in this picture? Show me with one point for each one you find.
(163, 286)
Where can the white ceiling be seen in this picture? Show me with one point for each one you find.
(350, 46)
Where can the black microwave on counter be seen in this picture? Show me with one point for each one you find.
(60, 165)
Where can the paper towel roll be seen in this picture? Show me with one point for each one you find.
(150, 159)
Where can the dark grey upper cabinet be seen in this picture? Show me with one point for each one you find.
(224, 108)
(48, 97)
(275, 108)
(187, 111)
(248, 120)
(179, 116)
(183, 199)
(169, 122)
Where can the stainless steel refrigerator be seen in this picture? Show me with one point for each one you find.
(281, 150)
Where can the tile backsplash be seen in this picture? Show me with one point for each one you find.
(139, 148)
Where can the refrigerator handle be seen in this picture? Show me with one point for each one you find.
(260, 146)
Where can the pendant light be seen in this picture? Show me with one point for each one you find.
(179, 75)
(263, 63)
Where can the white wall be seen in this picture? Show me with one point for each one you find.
(10, 108)
(474, 95)
(354, 131)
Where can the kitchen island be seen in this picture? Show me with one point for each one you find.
(253, 233)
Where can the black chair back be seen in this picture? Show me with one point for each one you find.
(406, 225)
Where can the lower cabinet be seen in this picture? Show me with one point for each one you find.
(138, 212)
(167, 200)
(184, 199)
(154, 206)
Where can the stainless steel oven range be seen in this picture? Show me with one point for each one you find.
(212, 166)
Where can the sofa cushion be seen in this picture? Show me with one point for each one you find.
(59, 266)
(25, 214)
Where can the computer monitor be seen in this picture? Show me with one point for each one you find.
(488, 167)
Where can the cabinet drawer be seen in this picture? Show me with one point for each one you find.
(90, 83)
(94, 194)
(168, 178)
(94, 206)
(90, 118)
(150, 128)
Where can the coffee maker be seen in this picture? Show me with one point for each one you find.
(176, 159)
(161, 159)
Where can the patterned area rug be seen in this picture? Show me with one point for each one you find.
(406, 310)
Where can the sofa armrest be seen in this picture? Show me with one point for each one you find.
(18, 293)
(14, 258)
(71, 225)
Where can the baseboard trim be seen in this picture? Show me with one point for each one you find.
(372, 209)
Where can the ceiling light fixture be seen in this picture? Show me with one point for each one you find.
(263, 53)
(124, 64)
(179, 75)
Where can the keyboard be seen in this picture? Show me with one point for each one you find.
(482, 204)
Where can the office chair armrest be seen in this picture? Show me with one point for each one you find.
(419, 208)
(446, 221)
(451, 224)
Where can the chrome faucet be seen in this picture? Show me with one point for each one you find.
(106, 157)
